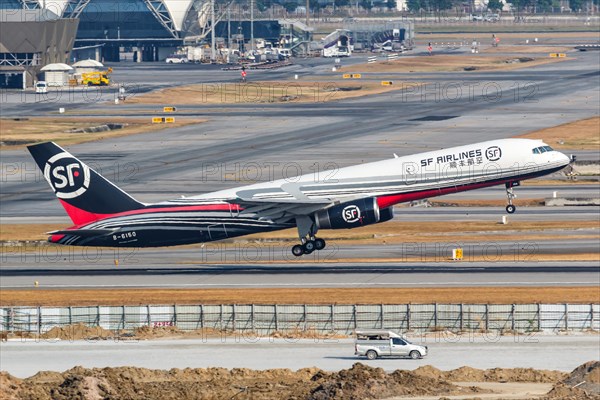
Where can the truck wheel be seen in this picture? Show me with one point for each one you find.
(371, 354)
(415, 355)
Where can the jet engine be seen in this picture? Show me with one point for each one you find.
(353, 214)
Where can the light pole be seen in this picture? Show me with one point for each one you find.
(213, 54)
(252, 25)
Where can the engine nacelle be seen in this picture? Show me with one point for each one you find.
(353, 214)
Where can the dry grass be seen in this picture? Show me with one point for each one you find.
(406, 231)
(560, 183)
(266, 92)
(20, 132)
(479, 295)
(450, 63)
(498, 203)
(504, 36)
(525, 49)
(579, 135)
(26, 232)
(446, 257)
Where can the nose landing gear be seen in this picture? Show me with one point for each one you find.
(307, 231)
(510, 208)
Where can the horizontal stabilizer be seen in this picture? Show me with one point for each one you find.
(84, 232)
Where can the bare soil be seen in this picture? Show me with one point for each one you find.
(260, 92)
(359, 382)
(527, 49)
(453, 63)
(19, 132)
(511, 37)
(579, 135)
(426, 295)
(581, 384)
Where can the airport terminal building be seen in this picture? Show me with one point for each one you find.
(30, 39)
(149, 29)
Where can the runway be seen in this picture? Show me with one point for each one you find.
(305, 275)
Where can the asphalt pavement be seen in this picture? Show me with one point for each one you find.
(447, 351)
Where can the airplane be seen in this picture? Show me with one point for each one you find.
(349, 197)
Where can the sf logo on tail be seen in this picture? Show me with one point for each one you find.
(67, 176)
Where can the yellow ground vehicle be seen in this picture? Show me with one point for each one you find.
(97, 78)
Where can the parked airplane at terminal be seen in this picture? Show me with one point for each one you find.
(350, 197)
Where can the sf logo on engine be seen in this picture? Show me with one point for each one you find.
(493, 153)
(67, 176)
(351, 214)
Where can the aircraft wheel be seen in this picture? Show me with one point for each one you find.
(297, 250)
(319, 244)
(511, 209)
(308, 247)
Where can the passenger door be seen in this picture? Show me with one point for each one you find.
(399, 347)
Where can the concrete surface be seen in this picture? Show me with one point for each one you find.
(564, 353)
(572, 201)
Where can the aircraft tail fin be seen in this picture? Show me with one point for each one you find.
(85, 194)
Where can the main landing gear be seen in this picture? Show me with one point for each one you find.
(510, 208)
(307, 231)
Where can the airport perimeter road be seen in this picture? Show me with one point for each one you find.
(304, 275)
(564, 353)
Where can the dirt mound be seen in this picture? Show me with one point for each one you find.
(582, 383)
(588, 372)
(468, 374)
(78, 331)
(430, 372)
(359, 382)
(364, 382)
(504, 375)
(164, 332)
(9, 386)
(561, 391)
(148, 332)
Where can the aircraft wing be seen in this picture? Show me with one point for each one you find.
(280, 210)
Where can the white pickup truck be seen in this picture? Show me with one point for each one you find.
(376, 343)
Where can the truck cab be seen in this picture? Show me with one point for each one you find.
(41, 87)
(377, 343)
(97, 78)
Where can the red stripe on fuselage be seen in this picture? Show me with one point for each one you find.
(388, 201)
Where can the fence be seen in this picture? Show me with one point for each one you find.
(343, 319)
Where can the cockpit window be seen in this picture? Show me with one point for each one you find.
(542, 149)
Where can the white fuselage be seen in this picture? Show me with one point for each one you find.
(464, 165)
